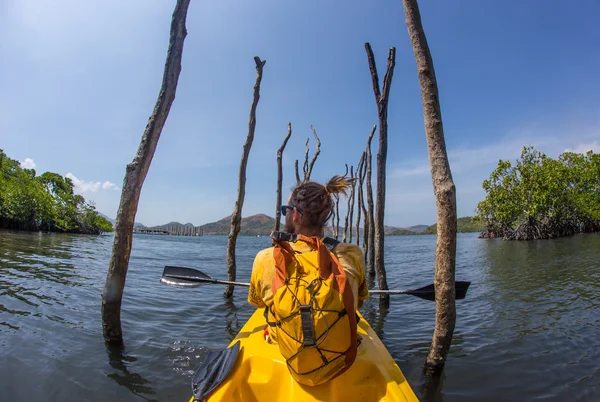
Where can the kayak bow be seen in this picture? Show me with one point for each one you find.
(259, 372)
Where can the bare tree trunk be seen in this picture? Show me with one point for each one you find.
(365, 210)
(135, 174)
(297, 172)
(351, 205)
(444, 189)
(337, 216)
(337, 209)
(315, 156)
(370, 254)
(305, 166)
(280, 177)
(333, 234)
(360, 205)
(346, 225)
(382, 104)
(236, 216)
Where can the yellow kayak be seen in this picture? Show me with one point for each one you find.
(259, 372)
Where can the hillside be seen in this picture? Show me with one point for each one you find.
(254, 225)
(402, 232)
(136, 225)
(417, 228)
(175, 228)
(411, 230)
(464, 225)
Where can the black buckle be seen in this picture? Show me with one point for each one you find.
(283, 236)
(308, 328)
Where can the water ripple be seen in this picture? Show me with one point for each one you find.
(526, 331)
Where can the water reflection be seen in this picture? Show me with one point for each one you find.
(432, 386)
(532, 310)
(232, 322)
(134, 382)
(375, 316)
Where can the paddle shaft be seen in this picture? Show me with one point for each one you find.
(188, 276)
(398, 292)
(391, 292)
(211, 280)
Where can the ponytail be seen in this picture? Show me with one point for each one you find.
(339, 185)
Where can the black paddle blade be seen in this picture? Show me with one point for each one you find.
(428, 292)
(213, 371)
(461, 289)
(183, 277)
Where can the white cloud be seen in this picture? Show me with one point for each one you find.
(410, 199)
(83, 186)
(466, 159)
(28, 163)
(583, 148)
(108, 185)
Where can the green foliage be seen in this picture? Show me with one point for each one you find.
(46, 202)
(540, 197)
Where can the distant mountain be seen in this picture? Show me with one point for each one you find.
(175, 228)
(389, 229)
(111, 220)
(411, 230)
(464, 225)
(136, 225)
(417, 228)
(402, 232)
(254, 225)
(262, 225)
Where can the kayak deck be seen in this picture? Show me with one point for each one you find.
(260, 372)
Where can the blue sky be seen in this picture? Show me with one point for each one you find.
(79, 79)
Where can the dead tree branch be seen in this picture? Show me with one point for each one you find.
(280, 177)
(351, 203)
(315, 156)
(361, 203)
(337, 216)
(236, 216)
(135, 174)
(444, 190)
(370, 253)
(381, 99)
(347, 222)
(305, 166)
(297, 172)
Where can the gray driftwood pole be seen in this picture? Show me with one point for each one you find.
(351, 203)
(280, 177)
(297, 173)
(347, 223)
(360, 206)
(305, 166)
(315, 156)
(236, 216)
(370, 250)
(381, 98)
(135, 174)
(444, 189)
(337, 216)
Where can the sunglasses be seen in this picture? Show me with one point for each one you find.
(284, 209)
